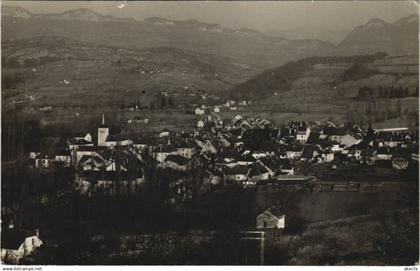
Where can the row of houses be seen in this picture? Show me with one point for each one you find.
(242, 150)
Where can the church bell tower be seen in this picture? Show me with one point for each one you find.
(103, 132)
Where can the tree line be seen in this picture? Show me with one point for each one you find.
(386, 93)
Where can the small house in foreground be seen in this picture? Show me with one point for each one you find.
(271, 218)
(16, 244)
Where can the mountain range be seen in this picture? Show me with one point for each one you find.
(398, 38)
(245, 45)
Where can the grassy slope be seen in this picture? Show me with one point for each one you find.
(317, 86)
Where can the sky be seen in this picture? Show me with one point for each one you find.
(273, 17)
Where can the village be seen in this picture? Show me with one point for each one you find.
(249, 152)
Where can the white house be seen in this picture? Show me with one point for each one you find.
(337, 147)
(216, 109)
(294, 152)
(63, 157)
(271, 219)
(186, 151)
(43, 161)
(111, 143)
(164, 133)
(302, 134)
(200, 124)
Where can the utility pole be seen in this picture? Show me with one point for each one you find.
(262, 247)
(261, 238)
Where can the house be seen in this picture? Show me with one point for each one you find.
(138, 120)
(389, 139)
(176, 162)
(200, 124)
(238, 173)
(146, 143)
(199, 111)
(91, 163)
(105, 182)
(43, 161)
(117, 140)
(214, 176)
(368, 156)
(349, 140)
(333, 132)
(245, 160)
(302, 134)
(286, 167)
(160, 155)
(307, 153)
(259, 172)
(16, 244)
(270, 164)
(293, 151)
(186, 150)
(216, 109)
(83, 136)
(164, 133)
(88, 150)
(383, 153)
(337, 147)
(327, 156)
(399, 163)
(355, 151)
(237, 119)
(272, 218)
(45, 108)
(400, 158)
(33, 155)
(74, 144)
(64, 157)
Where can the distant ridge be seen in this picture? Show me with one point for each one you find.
(397, 38)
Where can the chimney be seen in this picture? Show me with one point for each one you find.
(37, 233)
(103, 119)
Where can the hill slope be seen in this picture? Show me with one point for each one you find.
(58, 68)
